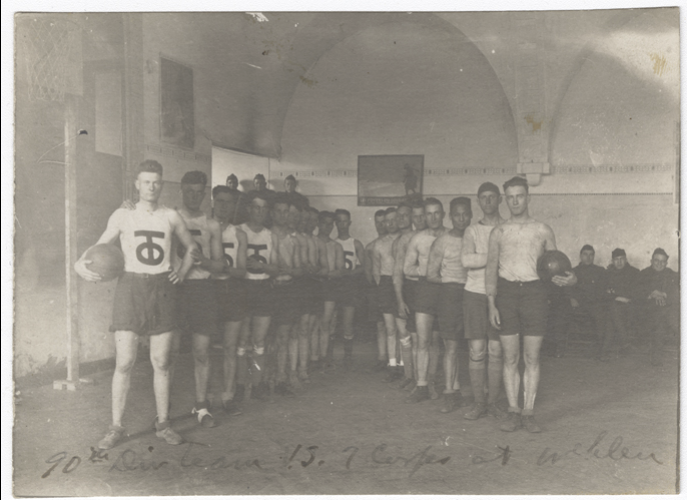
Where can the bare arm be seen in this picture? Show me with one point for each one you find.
(376, 264)
(569, 279)
(399, 250)
(436, 257)
(470, 258)
(360, 254)
(368, 263)
(109, 236)
(492, 274)
(411, 266)
(215, 263)
(272, 266)
(185, 238)
(239, 271)
(339, 265)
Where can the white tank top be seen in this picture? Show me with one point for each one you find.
(146, 240)
(260, 248)
(230, 248)
(350, 256)
(198, 227)
(521, 247)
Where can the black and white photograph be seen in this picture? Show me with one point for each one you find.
(329, 252)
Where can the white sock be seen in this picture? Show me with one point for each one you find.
(392, 361)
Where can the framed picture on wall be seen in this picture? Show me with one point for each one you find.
(385, 180)
(177, 124)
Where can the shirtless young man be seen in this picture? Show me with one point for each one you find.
(331, 269)
(427, 299)
(145, 300)
(286, 297)
(261, 265)
(198, 304)
(382, 271)
(481, 336)
(372, 294)
(517, 298)
(230, 292)
(411, 219)
(354, 264)
(446, 268)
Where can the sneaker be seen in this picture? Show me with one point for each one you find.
(240, 393)
(411, 386)
(111, 438)
(405, 382)
(231, 408)
(283, 390)
(380, 365)
(449, 403)
(433, 394)
(513, 422)
(169, 435)
(530, 424)
(477, 411)
(421, 393)
(493, 410)
(205, 418)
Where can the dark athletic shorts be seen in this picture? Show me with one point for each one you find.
(329, 291)
(386, 296)
(523, 307)
(450, 311)
(285, 298)
(476, 312)
(259, 301)
(145, 304)
(347, 291)
(373, 313)
(313, 292)
(302, 294)
(197, 302)
(427, 297)
(231, 300)
(409, 291)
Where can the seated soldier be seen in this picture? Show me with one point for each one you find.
(658, 297)
(622, 282)
(590, 296)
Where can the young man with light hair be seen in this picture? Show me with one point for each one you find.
(518, 300)
(482, 338)
(145, 299)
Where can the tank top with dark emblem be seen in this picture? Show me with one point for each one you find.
(146, 239)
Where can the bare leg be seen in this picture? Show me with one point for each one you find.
(126, 348)
(283, 332)
(174, 354)
(260, 326)
(381, 341)
(316, 326)
(232, 330)
(391, 337)
(424, 334)
(326, 328)
(478, 368)
(495, 370)
(415, 341)
(531, 348)
(511, 375)
(201, 344)
(433, 364)
(159, 358)
(451, 366)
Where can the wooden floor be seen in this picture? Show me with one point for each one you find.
(608, 428)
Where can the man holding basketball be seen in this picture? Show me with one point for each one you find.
(517, 298)
(145, 298)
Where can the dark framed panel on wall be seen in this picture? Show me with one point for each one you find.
(177, 125)
(385, 180)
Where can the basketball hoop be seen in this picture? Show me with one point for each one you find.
(48, 43)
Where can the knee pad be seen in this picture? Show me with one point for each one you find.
(259, 351)
(477, 357)
(405, 342)
(240, 351)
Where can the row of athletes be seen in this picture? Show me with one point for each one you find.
(474, 281)
(243, 277)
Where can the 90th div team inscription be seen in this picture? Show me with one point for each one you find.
(198, 455)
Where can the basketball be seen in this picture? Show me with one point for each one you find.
(553, 263)
(106, 260)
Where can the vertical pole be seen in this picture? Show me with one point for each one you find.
(70, 239)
